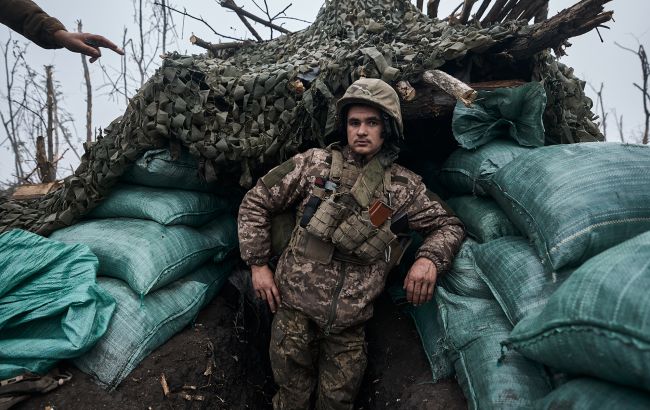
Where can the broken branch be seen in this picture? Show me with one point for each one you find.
(230, 4)
(450, 85)
(218, 47)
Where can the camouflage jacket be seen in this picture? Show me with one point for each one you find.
(339, 294)
(26, 18)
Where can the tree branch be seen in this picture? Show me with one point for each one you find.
(230, 4)
(186, 14)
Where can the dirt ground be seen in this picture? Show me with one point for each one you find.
(229, 339)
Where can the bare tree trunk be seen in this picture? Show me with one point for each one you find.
(645, 74)
(56, 124)
(140, 59)
(47, 175)
(10, 123)
(89, 94)
(43, 166)
(124, 70)
(164, 25)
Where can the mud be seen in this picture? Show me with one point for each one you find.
(221, 362)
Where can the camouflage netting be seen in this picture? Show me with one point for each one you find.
(244, 113)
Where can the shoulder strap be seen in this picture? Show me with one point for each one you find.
(365, 186)
(337, 165)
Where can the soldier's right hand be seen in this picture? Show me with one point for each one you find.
(265, 287)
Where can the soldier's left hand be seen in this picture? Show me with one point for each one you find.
(420, 281)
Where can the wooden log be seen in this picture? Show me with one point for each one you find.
(420, 5)
(450, 85)
(405, 90)
(218, 47)
(552, 33)
(467, 9)
(428, 102)
(34, 191)
(481, 9)
(432, 8)
(493, 14)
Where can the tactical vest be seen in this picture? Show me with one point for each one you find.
(336, 221)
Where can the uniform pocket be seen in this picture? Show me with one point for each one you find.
(326, 218)
(374, 247)
(352, 232)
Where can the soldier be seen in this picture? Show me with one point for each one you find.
(347, 198)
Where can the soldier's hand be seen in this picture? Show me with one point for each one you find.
(85, 43)
(265, 287)
(420, 281)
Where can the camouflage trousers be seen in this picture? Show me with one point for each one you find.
(304, 358)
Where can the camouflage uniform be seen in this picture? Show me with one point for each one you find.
(326, 298)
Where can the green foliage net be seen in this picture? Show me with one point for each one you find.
(243, 113)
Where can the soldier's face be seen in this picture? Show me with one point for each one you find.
(364, 129)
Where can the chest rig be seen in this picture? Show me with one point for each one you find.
(338, 221)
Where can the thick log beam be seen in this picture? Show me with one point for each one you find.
(553, 33)
(451, 85)
(429, 102)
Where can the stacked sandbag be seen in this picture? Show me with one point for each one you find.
(139, 327)
(162, 241)
(546, 220)
(159, 168)
(483, 218)
(516, 277)
(575, 201)
(593, 394)
(164, 206)
(465, 170)
(474, 329)
(597, 323)
(462, 278)
(148, 255)
(51, 307)
(513, 113)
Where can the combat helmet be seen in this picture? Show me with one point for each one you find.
(376, 93)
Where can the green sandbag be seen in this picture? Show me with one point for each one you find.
(50, 306)
(157, 168)
(474, 329)
(594, 394)
(462, 173)
(597, 323)
(515, 274)
(463, 278)
(148, 255)
(432, 337)
(165, 206)
(482, 217)
(514, 113)
(575, 201)
(140, 326)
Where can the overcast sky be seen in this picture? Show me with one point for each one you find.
(592, 60)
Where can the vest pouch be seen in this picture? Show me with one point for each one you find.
(373, 248)
(352, 232)
(326, 218)
(305, 245)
